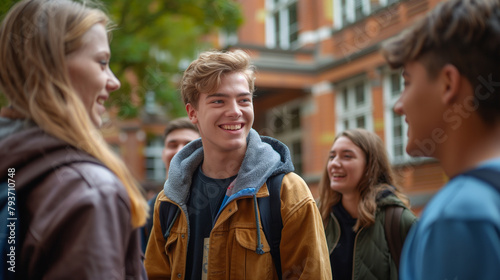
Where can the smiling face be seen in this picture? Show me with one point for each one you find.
(420, 103)
(88, 68)
(224, 118)
(346, 166)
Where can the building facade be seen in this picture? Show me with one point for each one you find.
(320, 71)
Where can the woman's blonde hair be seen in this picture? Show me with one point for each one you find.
(35, 38)
(378, 177)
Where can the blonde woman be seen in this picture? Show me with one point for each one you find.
(78, 206)
(356, 188)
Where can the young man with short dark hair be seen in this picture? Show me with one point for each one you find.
(451, 102)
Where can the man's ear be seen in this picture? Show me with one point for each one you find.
(192, 113)
(450, 79)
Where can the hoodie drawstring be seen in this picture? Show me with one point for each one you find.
(259, 249)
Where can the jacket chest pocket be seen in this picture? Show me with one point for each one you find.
(246, 262)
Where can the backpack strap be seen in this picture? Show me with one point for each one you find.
(489, 175)
(270, 214)
(168, 214)
(393, 232)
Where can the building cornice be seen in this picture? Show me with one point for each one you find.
(283, 61)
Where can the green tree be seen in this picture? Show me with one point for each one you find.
(152, 39)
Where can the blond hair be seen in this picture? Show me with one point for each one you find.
(35, 38)
(204, 74)
(378, 177)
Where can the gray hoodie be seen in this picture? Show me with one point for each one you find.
(264, 158)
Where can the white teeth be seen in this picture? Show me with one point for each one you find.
(100, 101)
(232, 127)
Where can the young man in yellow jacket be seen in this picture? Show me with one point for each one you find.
(216, 181)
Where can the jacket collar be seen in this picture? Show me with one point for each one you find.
(264, 157)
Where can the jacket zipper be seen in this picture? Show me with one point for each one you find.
(354, 252)
(338, 238)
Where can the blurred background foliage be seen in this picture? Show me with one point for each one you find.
(153, 41)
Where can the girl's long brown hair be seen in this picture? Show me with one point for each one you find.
(378, 176)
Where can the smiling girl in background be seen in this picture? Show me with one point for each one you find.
(356, 188)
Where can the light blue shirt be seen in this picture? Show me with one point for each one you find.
(458, 235)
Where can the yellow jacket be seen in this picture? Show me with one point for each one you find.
(233, 240)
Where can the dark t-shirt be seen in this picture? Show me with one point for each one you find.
(341, 257)
(203, 205)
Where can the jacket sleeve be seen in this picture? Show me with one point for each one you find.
(83, 230)
(156, 262)
(303, 239)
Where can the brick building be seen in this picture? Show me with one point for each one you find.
(319, 72)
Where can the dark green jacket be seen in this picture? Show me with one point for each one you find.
(372, 258)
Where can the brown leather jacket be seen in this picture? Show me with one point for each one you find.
(74, 214)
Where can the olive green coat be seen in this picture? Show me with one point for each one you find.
(372, 258)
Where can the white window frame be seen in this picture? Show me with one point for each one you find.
(228, 38)
(390, 99)
(152, 153)
(282, 9)
(384, 3)
(353, 110)
(289, 135)
(349, 8)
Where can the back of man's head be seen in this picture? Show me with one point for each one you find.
(464, 33)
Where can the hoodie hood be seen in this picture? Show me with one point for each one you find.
(264, 157)
(9, 127)
(32, 152)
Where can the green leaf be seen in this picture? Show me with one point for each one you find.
(150, 40)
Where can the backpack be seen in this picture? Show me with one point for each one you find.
(11, 237)
(393, 232)
(270, 213)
